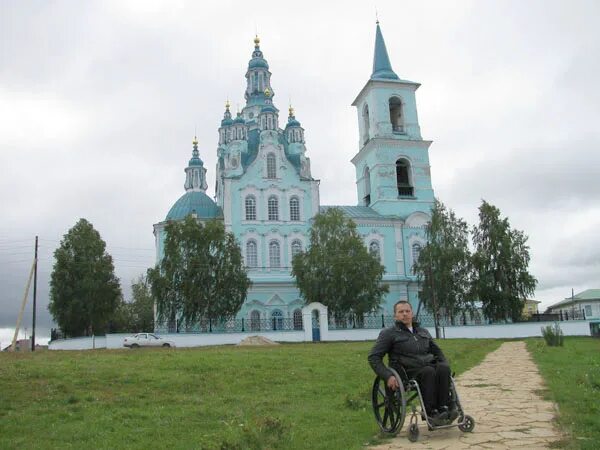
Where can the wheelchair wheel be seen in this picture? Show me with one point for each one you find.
(467, 424)
(389, 406)
(413, 432)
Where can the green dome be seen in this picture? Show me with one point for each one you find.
(194, 202)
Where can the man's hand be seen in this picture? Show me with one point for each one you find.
(392, 383)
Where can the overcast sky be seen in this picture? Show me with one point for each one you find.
(99, 103)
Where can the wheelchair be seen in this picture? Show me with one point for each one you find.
(390, 407)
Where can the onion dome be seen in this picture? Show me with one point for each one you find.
(292, 122)
(195, 161)
(257, 57)
(226, 116)
(239, 119)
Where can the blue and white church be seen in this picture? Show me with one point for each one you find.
(267, 196)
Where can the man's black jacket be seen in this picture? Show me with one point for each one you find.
(412, 351)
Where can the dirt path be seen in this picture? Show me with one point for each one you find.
(502, 394)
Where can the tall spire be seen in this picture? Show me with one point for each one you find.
(381, 61)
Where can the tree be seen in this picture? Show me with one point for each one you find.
(444, 264)
(501, 260)
(141, 306)
(337, 270)
(201, 275)
(84, 291)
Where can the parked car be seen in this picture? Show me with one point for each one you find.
(146, 340)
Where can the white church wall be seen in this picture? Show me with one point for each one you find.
(184, 340)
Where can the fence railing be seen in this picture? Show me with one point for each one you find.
(236, 326)
(425, 319)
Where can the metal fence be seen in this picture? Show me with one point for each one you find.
(235, 326)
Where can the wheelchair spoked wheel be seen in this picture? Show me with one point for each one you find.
(389, 406)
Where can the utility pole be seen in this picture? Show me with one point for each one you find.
(35, 263)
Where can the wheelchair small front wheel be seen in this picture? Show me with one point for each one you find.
(413, 432)
(467, 424)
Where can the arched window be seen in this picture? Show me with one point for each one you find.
(274, 254)
(367, 181)
(396, 116)
(251, 254)
(416, 251)
(374, 249)
(277, 318)
(270, 126)
(402, 178)
(273, 208)
(271, 166)
(294, 209)
(255, 320)
(296, 247)
(366, 132)
(297, 319)
(250, 204)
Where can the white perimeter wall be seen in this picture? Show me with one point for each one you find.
(516, 330)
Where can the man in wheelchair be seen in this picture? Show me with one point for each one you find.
(412, 350)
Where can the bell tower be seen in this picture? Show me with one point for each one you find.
(392, 164)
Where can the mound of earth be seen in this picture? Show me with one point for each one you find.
(257, 340)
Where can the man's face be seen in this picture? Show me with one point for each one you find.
(404, 314)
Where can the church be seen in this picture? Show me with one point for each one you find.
(266, 194)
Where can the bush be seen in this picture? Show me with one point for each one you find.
(553, 335)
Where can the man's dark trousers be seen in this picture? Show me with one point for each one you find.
(434, 382)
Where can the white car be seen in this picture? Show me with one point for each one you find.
(146, 340)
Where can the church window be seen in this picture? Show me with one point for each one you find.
(396, 115)
(254, 82)
(271, 166)
(416, 251)
(273, 208)
(374, 249)
(294, 209)
(402, 178)
(366, 133)
(296, 247)
(250, 204)
(269, 123)
(255, 320)
(367, 180)
(251, 254)
(277, 318)
(297, 319)
(274, 254)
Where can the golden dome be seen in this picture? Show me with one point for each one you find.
(256, 40)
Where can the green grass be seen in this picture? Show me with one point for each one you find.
(293, 396)
(572, 375)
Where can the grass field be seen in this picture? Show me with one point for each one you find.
(294, 396)
(572, 375)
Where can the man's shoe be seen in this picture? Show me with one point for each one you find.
(438, 418)
(451, 413)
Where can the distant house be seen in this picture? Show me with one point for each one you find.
(586, 303)
(530, 307)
